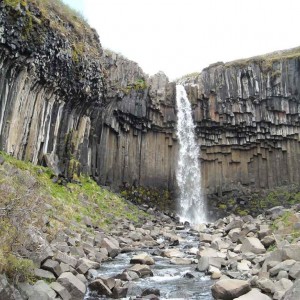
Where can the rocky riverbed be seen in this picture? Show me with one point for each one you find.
(231, 258)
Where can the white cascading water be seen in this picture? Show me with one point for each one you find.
(191, 206)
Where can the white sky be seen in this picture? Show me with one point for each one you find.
(184, 36)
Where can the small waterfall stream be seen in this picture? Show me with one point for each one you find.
(191, 202)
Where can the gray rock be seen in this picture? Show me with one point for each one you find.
(65, 258)
(237, 223)
(230, 289)
(61, 290)
(294, 271)
(112, 246)
(203, 264)
(266, 285)
(180, 261)
(252, 244)
(293, 293)
(142, 258)
(142, 270)
(254, 294)
(8, 292)
(43, 288)
(43, 274)
(275, 212)
(282, 274)
(284, 265)
(291, 252)
(73, 285)
(85, 264)
(53, 266)
(100, 287)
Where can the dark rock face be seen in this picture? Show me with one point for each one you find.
(93, 111)
(247, 117)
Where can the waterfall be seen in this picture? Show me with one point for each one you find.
(191, 205)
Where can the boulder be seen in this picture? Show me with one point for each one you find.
(180, 261)
(112, 246)
(203, 264)
(41, 288)
(8, 292)
(170, 253)
(52, 266)
(291, 252)
(293, 293)
(284, 265)
(73, 285)
(294, 271)
(228, 289)
(143, 259)
(100, 287)
(252, 244)
(65, 258)
(43, 274)
(61, 290)
(236, 223)
(85, 264)
(266, 285)
(142, 270)
(254, 294)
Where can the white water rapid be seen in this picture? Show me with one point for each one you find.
(191, 206)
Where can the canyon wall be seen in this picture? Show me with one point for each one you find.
(247, 121)
(66, 103)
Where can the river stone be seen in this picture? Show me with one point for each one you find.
(100, 287)
(112, 246)
(142, 270)
(85, 264)
(228, 289)
(205, 237)
(61, 291)
(143, 259)
(252, 244)
(293, 293)
(254, 294)
(180, 261)
(74, 286)
(284, 265)
(170, 253)
(203, 264)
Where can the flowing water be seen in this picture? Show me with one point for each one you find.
(169, 279)
(191, 201)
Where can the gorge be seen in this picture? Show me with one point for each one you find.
(78, 122)
(118, 125)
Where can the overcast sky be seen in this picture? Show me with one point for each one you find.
(180, 37)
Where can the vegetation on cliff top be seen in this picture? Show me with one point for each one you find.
(268, 59)
(61, 18)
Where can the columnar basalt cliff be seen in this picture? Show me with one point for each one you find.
(65, 103)
(247, 116)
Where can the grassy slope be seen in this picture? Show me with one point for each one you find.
(30, 197)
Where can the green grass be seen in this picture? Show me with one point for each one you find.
(268, 59)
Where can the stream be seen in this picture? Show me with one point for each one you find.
(170, 279)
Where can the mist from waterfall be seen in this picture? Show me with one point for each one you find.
(191, 206)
